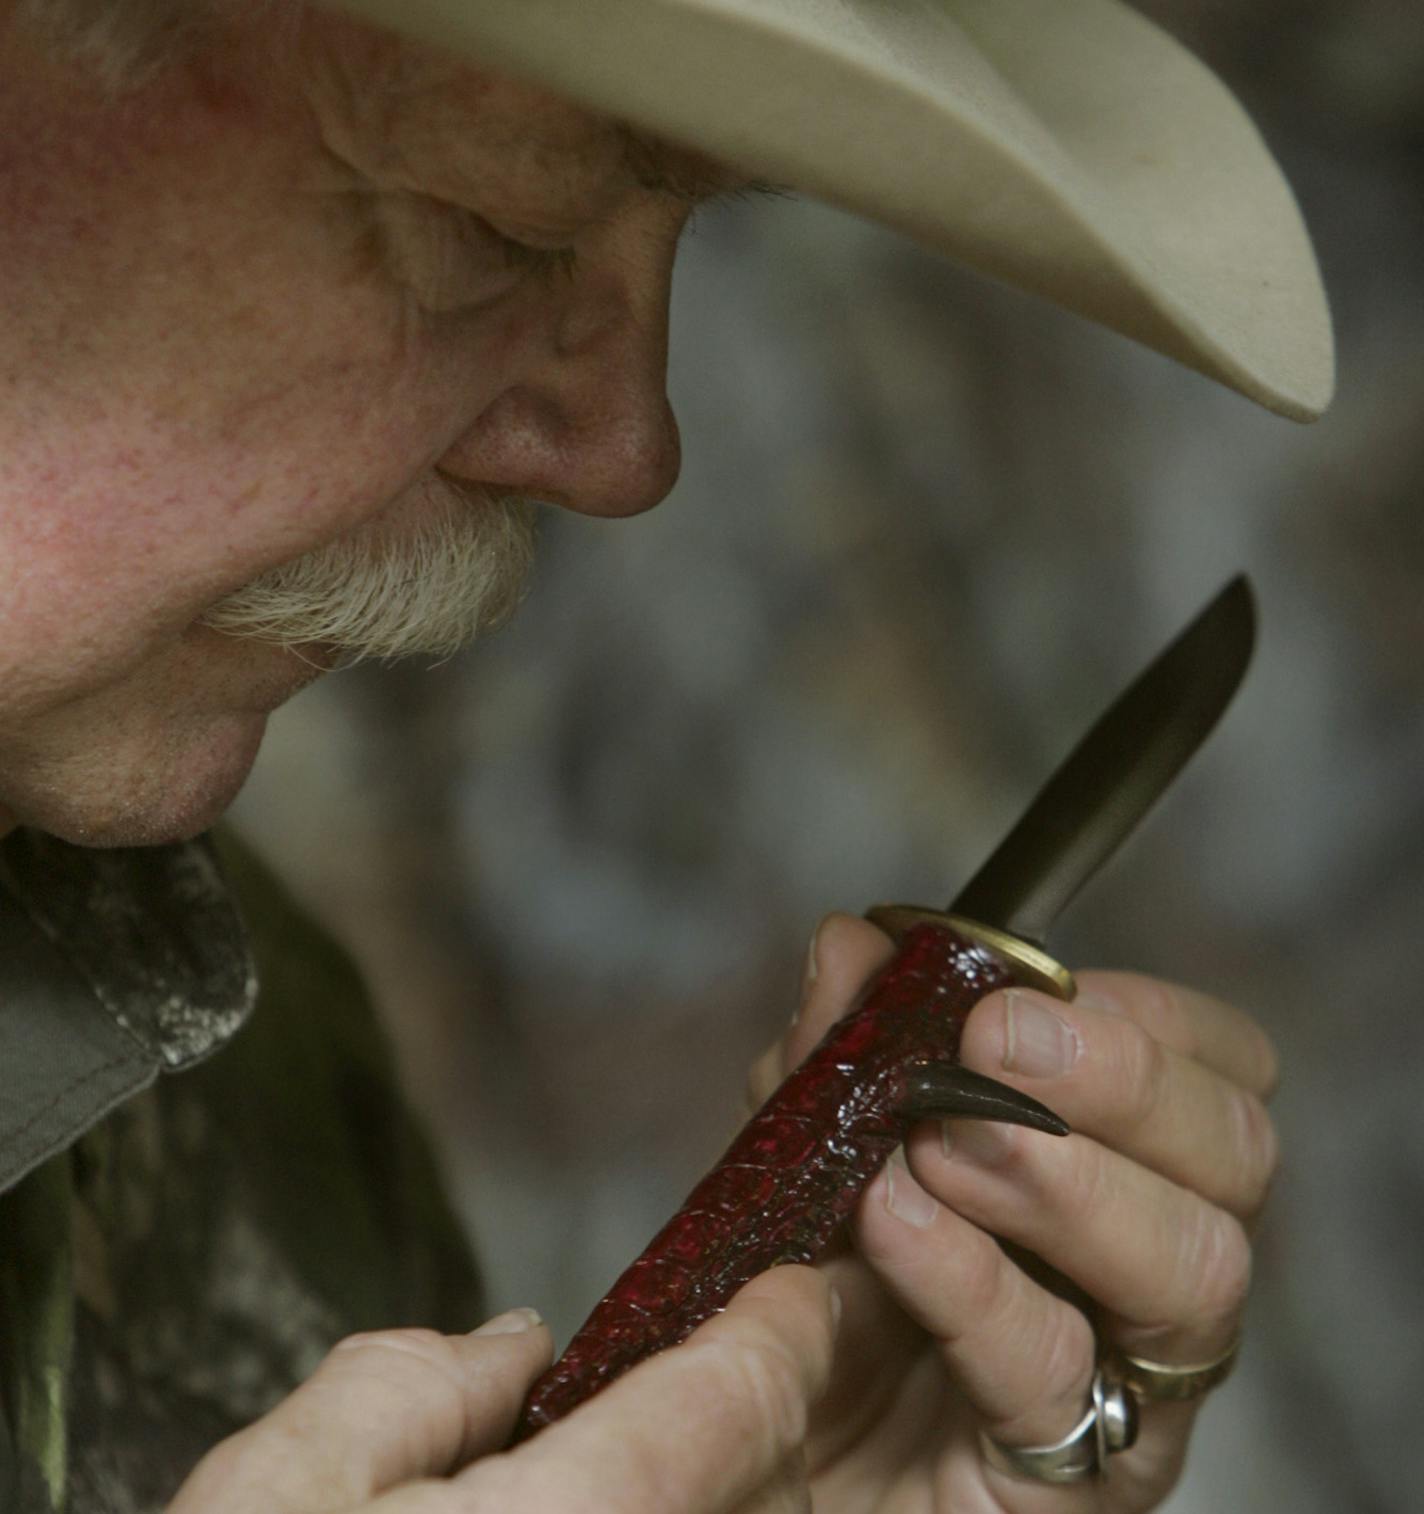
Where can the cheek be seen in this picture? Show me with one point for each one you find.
(202, 380)
(322, 413)
(123, 524)
(205, 420)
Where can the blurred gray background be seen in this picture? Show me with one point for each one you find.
(925, 528)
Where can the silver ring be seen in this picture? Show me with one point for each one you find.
(1108, 1425)
(1161, 1383)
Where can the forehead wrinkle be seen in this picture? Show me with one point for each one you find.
(414, 119)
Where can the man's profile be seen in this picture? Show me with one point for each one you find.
(311, 310)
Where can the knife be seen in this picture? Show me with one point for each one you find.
(792, 1176)
(1099, 792)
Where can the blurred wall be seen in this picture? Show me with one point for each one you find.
(926, 527)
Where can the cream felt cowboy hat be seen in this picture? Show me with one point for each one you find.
(1066, 146)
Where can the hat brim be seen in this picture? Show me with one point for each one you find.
(1073, 150)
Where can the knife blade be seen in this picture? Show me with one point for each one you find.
(1116, 773)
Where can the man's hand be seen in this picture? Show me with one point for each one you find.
(1144, 1210)
(410, 1422)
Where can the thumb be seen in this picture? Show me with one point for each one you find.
(382, 1409)
(844, 952)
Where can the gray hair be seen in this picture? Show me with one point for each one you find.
(125, 43)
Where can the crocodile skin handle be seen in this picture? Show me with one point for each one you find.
(792, 1176)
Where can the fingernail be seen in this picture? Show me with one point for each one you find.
(1103, 1004)
(512, 1322)
(978, 1141)
(1036, 1042)
(809, 974)
(904, 1197)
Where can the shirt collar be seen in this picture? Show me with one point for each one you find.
(116, 964)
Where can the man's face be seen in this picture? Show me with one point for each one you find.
(296, 296)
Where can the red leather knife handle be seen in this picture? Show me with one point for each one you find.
(792, 1176)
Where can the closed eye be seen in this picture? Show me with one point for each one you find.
(546, 261)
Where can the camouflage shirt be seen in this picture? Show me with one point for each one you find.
(197, 1197)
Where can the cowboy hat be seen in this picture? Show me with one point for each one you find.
(1068, 147)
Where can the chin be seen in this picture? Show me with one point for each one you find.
(176, 797)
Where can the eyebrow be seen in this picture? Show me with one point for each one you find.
(687, 175)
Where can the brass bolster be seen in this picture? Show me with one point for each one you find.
(1033, 966)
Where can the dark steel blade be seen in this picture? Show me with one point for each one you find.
(1116, 772)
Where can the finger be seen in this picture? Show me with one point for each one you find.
(427, 1496)
(382, 1409)
(1171, 1269)
(1191, 1023)
(844, 952)
(705, 1426)
(787, 1492)
(1022, 1357)
(1111, 1079)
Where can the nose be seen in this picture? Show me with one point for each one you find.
(585, 422)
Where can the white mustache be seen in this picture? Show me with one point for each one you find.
(396, 589)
